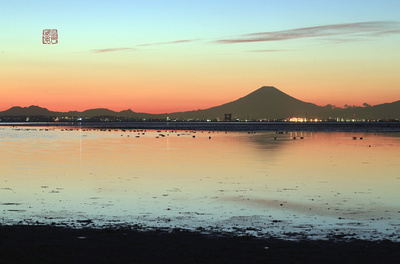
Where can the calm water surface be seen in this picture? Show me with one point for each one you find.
(261, 183)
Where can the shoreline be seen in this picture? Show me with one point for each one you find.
(51, 244)
(225, 126)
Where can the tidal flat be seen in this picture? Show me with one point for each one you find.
(289, 185)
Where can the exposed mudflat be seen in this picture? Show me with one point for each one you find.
(198, 196)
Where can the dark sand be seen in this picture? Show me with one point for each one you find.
(47, 244)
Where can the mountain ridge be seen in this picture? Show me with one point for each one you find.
(265, 103)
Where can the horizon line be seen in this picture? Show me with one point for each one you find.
(164, 113)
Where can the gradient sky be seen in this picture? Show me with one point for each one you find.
(166, 56)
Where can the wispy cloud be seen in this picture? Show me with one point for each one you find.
(167, 43)
(110, 50)
(370, 29)
(268, 50)
(143, 45)
(338, 33)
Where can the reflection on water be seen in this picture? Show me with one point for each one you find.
(311, 184)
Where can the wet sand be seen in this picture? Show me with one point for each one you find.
(49, 244)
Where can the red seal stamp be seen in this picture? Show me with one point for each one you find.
(50, 36)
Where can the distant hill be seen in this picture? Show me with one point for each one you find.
(32, 110)
(98, 112)
(265, 103)
(381, 111)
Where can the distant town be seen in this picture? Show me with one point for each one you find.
(228, 118)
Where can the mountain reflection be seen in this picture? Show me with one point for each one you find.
(276, 140)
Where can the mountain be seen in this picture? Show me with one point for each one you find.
(265, 103)
(98, 112)
(381, 111)
(32, 110)
(270, 103)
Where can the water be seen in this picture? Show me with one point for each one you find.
(290, 185)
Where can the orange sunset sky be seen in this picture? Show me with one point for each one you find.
(168, 56)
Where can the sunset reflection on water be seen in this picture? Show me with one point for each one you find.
(275, 182)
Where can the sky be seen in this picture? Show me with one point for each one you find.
(168, 56)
